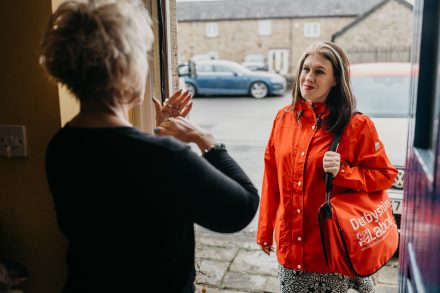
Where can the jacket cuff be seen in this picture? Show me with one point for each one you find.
(343, 172)
(264, 241)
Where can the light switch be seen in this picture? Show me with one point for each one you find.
(13, 141)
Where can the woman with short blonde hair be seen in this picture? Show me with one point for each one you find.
(125, 200)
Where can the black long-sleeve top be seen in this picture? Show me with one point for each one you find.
(126, 201)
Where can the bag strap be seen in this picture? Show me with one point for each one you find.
(329, 176)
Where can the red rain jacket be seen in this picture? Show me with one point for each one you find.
(294, 180)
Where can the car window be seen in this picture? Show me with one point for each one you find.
(223, 68)
(382, 96)
(204, 68)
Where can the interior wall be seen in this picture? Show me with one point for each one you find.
(28, 230)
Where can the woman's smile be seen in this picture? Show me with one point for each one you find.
(308, 87)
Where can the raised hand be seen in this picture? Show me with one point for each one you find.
(185, 131)
(178, 105)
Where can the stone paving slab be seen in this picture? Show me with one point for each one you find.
(227, 240)
(255, 262)
(210, 272)
(199, 289)
(386, 288)
(244, 281)
(231, 263)
(272, 285)
(216, 253)
(387, 275)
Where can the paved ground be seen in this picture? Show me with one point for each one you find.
(234, 264)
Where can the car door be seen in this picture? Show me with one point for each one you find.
(206, 80)
(230, 81)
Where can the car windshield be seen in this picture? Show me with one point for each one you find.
(382, 96)
(221, 67)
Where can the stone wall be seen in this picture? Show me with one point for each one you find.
(240, 37)
(384, 35)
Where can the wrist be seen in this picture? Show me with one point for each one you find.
(204, 141)
(213, 148)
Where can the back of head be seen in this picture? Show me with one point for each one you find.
(98, 48)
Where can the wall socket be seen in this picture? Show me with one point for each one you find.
(13, 141)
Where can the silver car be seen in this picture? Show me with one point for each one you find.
(382, 91)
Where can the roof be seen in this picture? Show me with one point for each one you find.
(269, 9)
(366, 14)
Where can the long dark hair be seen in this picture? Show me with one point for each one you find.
(340, 101)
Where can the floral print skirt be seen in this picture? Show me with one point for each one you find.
(292, 281)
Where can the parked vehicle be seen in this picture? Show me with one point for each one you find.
(224, 77)
(255, 62)
(382, 91)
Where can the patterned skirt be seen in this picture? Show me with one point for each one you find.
(292, 281)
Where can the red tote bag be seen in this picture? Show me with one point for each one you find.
(358, 232)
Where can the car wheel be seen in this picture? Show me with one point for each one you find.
(259, 90)
(192, 89)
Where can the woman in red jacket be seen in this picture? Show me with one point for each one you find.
(296, 160)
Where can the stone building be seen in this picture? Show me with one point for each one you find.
(383, 33)
(278, 29)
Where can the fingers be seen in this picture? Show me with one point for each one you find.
(178, 98)
(266, 249)
(186, 110)
(157, 105)
(331, 162)
(178, 104)
(177, 127)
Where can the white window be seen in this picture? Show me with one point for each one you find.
(264, 27)
(312, 30)
(278, 60)
(212, 29)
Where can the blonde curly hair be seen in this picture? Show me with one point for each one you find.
(98, 48)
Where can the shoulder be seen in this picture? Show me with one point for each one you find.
(286, 110)
(360, 125)
(359, 121)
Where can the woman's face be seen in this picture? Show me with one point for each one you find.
(316, 78)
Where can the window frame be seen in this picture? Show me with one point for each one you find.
(264, 27)
(211, 29)
(312, 29)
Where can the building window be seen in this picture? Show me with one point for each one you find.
(212, 29)
(264, 27)
(312, 30)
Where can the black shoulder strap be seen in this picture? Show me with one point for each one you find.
(329, 176)
(334, 145)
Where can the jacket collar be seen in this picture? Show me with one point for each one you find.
(311, 111)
